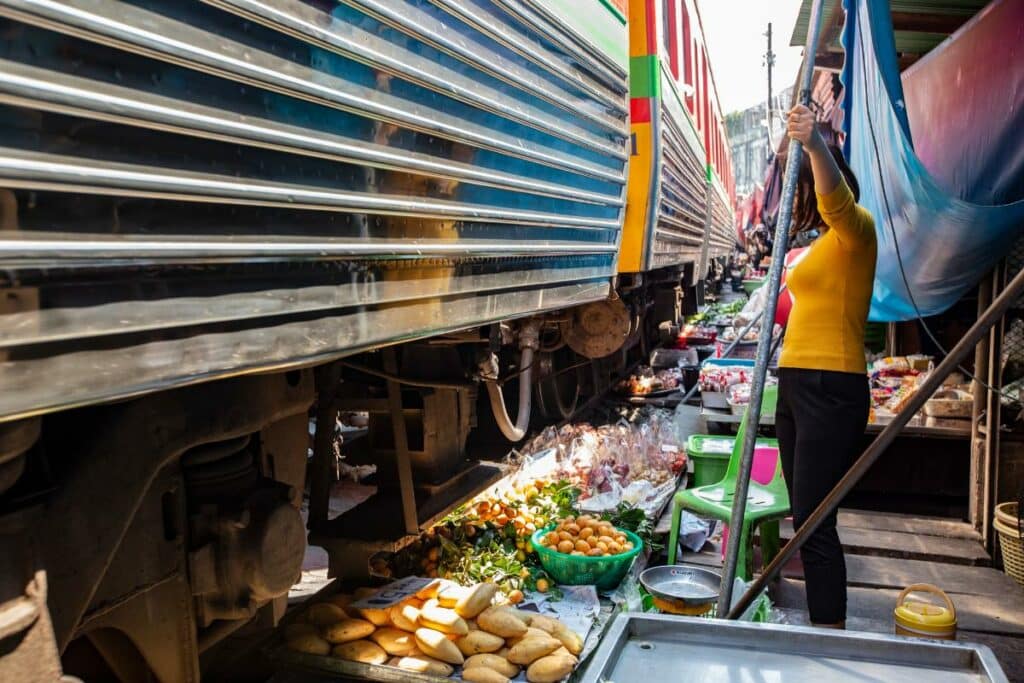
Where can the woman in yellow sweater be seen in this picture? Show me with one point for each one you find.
(823, 388)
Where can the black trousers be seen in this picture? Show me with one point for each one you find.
(820, 423)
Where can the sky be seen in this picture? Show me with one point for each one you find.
(734, 31)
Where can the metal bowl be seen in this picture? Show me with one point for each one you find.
(682, 589)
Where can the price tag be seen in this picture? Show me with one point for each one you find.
(394, 593)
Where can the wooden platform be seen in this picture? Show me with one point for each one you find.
(888, 521)
(887, 552)
(905, 537)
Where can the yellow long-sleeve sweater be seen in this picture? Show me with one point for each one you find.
(831, 290)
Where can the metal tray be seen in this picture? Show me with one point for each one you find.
(346, 671)
(654, 647)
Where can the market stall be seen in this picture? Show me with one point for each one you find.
(534, 579)
(520, 581)
(531, 579)
(724, 382)
(895, 381)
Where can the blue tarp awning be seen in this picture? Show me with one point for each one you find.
(946, 242)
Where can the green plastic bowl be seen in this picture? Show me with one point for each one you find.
(573, 570)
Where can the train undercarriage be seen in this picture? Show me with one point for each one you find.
(139, 535)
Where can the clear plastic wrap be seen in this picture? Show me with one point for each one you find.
(633, 461)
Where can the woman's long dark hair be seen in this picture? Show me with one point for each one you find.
(805, 206)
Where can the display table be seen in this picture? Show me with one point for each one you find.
(652, 647)
(721, 416)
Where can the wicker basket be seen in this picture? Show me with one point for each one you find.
(1010, 542)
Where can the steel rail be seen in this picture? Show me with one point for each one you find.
(315, 27)
(41, 171)
(430, 30)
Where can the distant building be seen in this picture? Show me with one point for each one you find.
(748, 140)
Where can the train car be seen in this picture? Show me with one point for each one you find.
(223, 221)
(680, 181)
(336, 178)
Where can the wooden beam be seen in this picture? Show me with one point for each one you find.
(906, 60)
(829, 61)
(327, 378)
(928, 23)
(403, 461)
(979, 453)
(905, 546)
(993, 413)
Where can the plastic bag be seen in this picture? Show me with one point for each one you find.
(753, 309)
(673, 358)
(694, 531)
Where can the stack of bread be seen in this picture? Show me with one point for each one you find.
(442, 627)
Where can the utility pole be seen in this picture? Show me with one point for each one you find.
(769, 61)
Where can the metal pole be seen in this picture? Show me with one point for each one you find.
(769, 60)
(705, 245)
(764, 342)
(933, 381)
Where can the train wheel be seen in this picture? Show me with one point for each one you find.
(558, 393)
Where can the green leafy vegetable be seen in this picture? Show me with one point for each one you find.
(634, 519)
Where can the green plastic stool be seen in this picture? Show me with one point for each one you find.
(766, 504)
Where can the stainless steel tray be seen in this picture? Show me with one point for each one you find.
(342, 670)
(656, 647)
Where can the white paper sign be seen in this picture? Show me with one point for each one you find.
(394, 593)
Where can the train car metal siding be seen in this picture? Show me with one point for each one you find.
(195, 190)
(721, 201)
(644, 83)
(679, 234)
(722, 235)
(668, 193)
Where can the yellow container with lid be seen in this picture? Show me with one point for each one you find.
(925, 619)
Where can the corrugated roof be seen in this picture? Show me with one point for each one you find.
(830, 7)
(920, 24)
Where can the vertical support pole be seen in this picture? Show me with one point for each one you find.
(764, 342)
(979, 411)
(327, 378)
(993, 415)
(405, 485)
(769, 61)
(891, 340)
